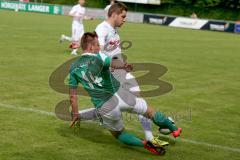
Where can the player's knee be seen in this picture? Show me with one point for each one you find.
(116, 134)
(149, 112)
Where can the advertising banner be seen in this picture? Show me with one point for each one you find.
(190, 23)
(31, 7)
(237, 27)
(157, 19)
(219, 26)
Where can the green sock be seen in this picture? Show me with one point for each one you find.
(160, 120)
(130, 139)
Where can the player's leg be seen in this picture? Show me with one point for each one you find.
(110, 115)
(127, 138)
(65, 38)
(132, 140)
(129, 83)
(147, 127)
(157, 117)
(76, 36)
(146, 123)
(79, 34)
(139, 106)
(88, 114)
(123, 96)
(128, 93)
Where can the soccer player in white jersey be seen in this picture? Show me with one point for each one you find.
(78, 14)
(109, 40)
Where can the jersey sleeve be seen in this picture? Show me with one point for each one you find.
(72, 80)
(73, 10)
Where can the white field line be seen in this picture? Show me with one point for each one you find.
(24, 109)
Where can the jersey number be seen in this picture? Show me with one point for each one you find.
(96, 80)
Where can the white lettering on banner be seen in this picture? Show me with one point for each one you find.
(188, 23)
(14, 6)
(218, 27)
(55, 10)
(8, 5)
(38, 8)
(157, 20)
(22, 6)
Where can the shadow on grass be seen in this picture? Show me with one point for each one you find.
(88, 131)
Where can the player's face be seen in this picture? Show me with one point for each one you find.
(120, 19)
(81, 2)
(96, 46)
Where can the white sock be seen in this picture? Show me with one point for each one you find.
(147, 127)
(148, 135)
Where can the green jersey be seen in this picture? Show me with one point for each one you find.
(92, 71)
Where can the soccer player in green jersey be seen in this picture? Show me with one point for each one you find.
(92, 71)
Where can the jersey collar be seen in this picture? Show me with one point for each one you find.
(89, 54)
(109, 25)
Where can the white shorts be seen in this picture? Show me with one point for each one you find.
(77, 31)
(134, 87)
(122, 101)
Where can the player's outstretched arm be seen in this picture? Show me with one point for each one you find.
(88, 18)
(73, 12)
(74, 105)
(75, 15)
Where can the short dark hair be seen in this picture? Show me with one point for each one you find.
(88, 38)
(118, 8)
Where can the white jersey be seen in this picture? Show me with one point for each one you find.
(79, 12)
(108, 38)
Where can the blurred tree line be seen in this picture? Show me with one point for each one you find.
(209, 9)
(196, 3)
(206, 3)
(235, 4)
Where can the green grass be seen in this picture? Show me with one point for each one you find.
(202, 66)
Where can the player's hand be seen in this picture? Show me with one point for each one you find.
(74, 119)
(128, 67)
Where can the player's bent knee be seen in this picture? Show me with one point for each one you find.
(116, 134)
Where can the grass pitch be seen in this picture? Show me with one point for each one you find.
(202, 66)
